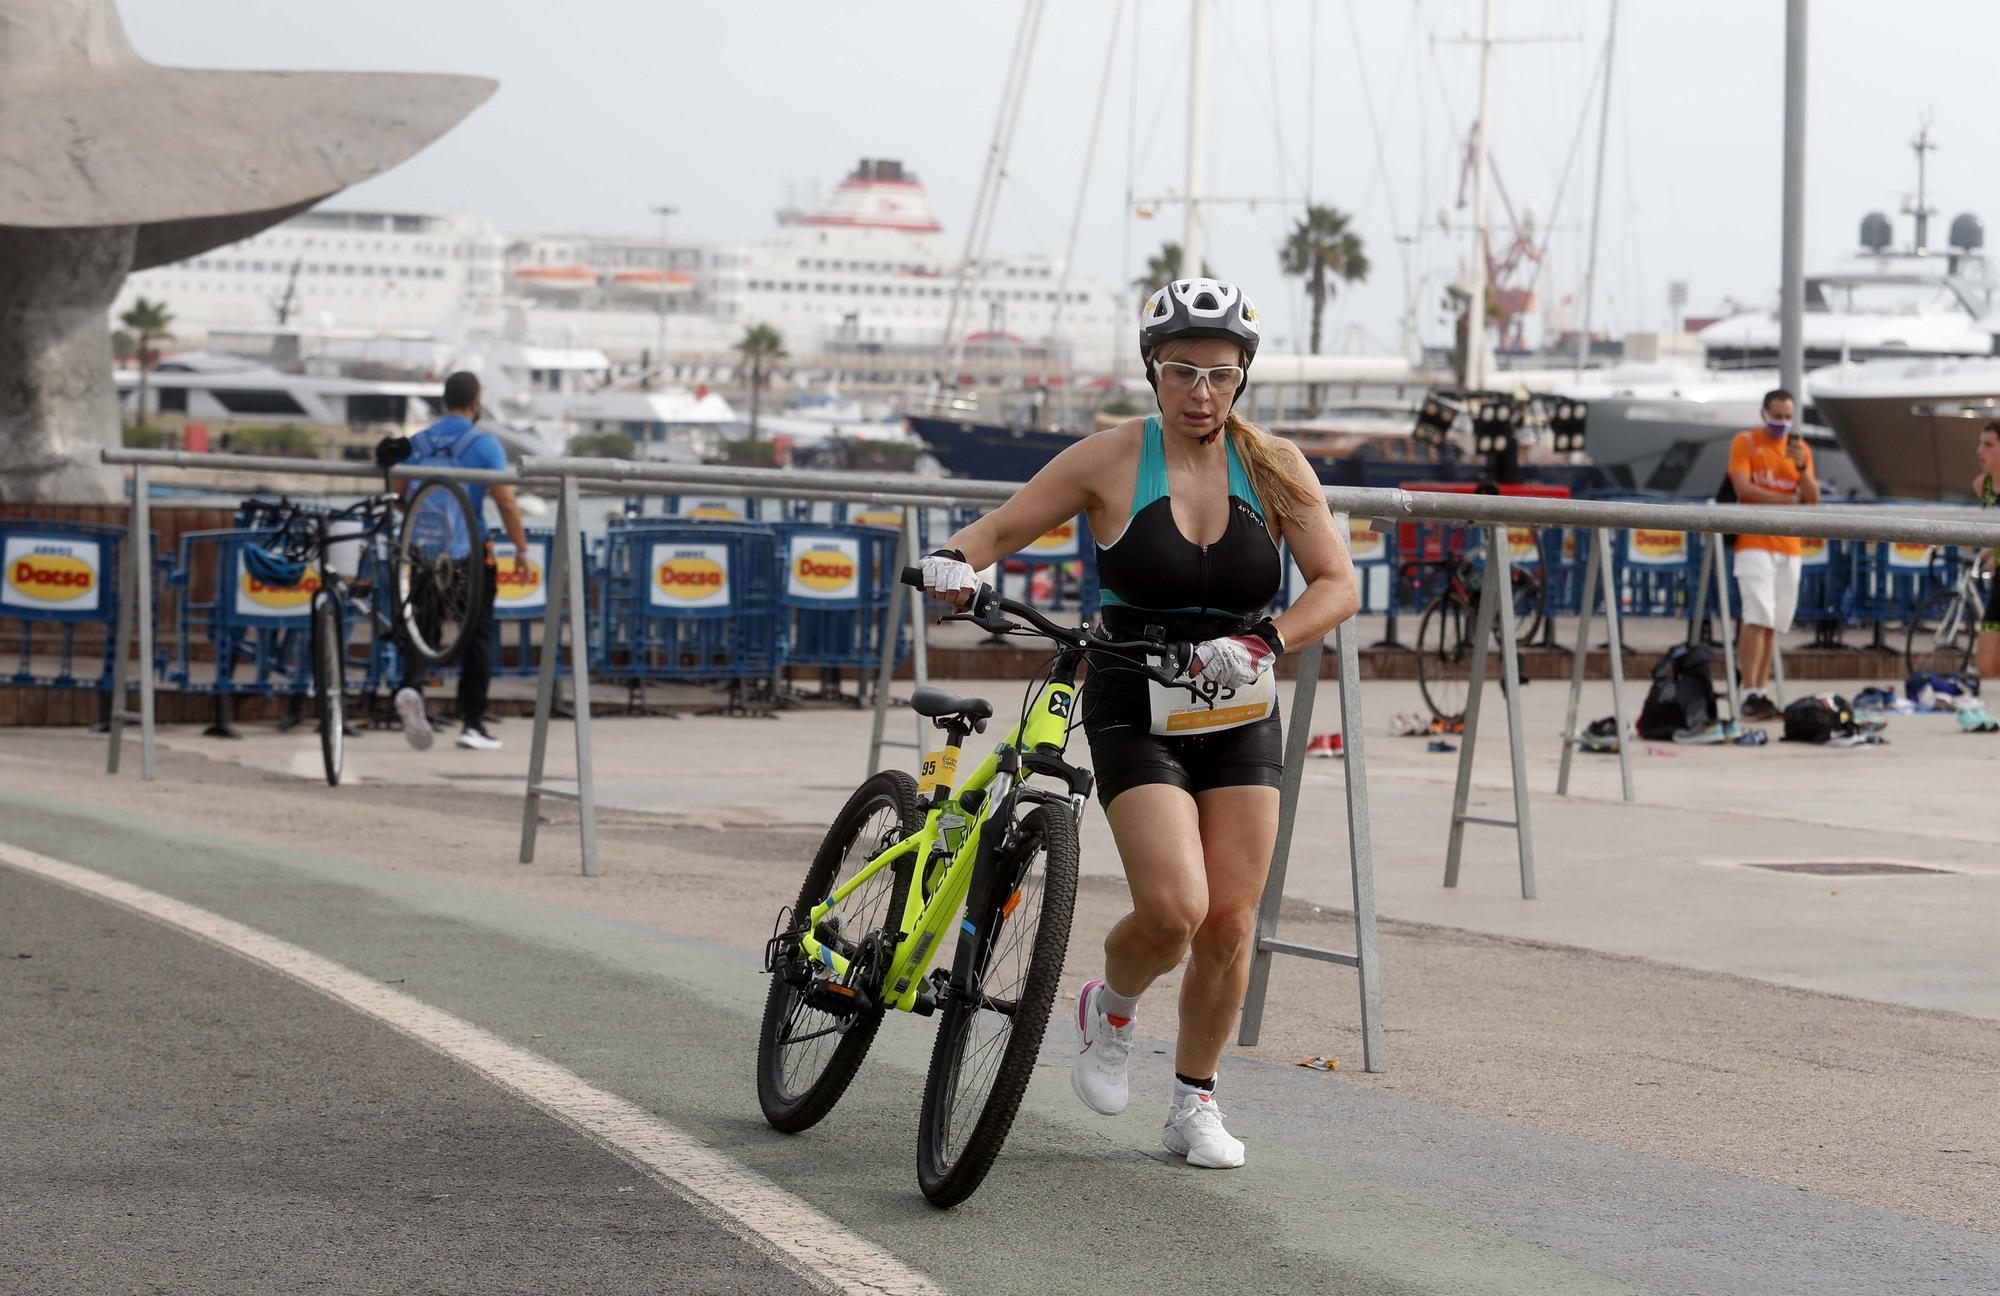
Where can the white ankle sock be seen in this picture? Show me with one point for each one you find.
(1117, 1005)
(1182, 1089)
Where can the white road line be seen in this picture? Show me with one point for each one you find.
(795, 1233)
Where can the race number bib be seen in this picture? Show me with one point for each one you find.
(1200, 707)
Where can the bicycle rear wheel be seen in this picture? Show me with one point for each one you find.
(1941, 636)
(438, 593)
(808, 1049)
(991, 1026)
(328, 655)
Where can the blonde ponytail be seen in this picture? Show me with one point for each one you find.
(1283, 495)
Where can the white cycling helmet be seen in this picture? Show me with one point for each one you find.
(1198, 308)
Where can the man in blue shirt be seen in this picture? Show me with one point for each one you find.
(454, 440)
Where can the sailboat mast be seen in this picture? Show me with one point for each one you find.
(1597, 203)
(1475, 322)
(1197, 136)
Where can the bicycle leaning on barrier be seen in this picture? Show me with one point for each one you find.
(1445, 629)
(903, 859)
(426, 603)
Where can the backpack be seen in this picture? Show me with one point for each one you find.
(1682, 696)
(1822, 718)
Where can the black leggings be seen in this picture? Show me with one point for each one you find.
(475, 663)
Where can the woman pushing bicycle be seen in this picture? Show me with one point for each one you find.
(1196, 502)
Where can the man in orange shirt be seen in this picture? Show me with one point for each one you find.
(1768, 465)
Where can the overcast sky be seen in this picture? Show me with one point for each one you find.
(724, 108)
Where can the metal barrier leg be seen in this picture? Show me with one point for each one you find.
(1498, 556)
(545, 680)
(1778, 671)
(1496, 605)
(1708, 555)
(128, 594)
(1297, 734)
(885, 673)
(920, 660)
(586, 792)
(1728, 626)
(1617, 637)
(1360, 852)
(1475, 688)
(1586, 613)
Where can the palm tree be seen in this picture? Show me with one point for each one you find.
(1164, 266)
(761, 346)
(149, 320)
(1321, 248)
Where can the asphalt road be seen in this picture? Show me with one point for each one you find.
(181, 1119)
(178, 1119)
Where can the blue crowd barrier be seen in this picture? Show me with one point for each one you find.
(239, 617)
(520, 600)
(63, 576)
(692, 601)
(1067, 556)
(835, 584)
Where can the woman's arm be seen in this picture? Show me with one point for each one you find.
(1332, 593)
(1064, 488)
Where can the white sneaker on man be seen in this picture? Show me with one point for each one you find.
(478, 740)
(1194, 1130)
(1102, 1051)
(416, 725)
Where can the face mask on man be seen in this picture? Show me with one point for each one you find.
(1777, 427)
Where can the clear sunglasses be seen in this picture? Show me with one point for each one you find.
(1180, 376)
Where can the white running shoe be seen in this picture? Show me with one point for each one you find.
(478, 741)
(416, 725)
(1194, 1130)
(1101, 1054)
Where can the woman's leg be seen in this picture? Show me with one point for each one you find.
(1238, 828)
(1159, 836)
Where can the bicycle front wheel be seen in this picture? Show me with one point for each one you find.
(808, 1049)
(1942, 635)
(439, 590)
(991, 1025)
(328, 654)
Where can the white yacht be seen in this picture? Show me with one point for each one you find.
(1912, 425)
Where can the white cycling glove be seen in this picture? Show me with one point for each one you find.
(1236, 661)
(947, 574)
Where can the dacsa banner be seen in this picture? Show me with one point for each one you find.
(1813, 552)
(826, 568)
(283, 602)
(1061, 541)
(1365, 544)
(50, 575)
(1649, 547)
(520, 585)
(1909, 557)
(707, 509)
(688, 576)
(880, 517)
(1522, 550)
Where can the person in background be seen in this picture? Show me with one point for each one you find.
(1768, 466)
(456, 441)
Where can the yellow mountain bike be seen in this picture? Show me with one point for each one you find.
(909, 862)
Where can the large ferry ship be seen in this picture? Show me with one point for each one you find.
(860, 287)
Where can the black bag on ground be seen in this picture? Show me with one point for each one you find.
(1819, 719)
(1683, 694)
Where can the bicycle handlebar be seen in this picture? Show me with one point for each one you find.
(988, 603)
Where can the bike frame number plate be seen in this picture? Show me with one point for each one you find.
(937, 771)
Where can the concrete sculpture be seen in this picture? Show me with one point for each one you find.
(110, 164)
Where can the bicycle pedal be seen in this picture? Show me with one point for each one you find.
(836, 997)
(930, 991)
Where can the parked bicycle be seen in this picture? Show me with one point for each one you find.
(425, 602)
(1944, 633)
(1445, 629)
(909, 862)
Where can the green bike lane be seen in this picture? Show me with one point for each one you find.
(1348, 1189)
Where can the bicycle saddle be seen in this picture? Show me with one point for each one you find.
(930, 700)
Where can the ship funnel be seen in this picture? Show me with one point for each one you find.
(1876, 232)
(1968, 232)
